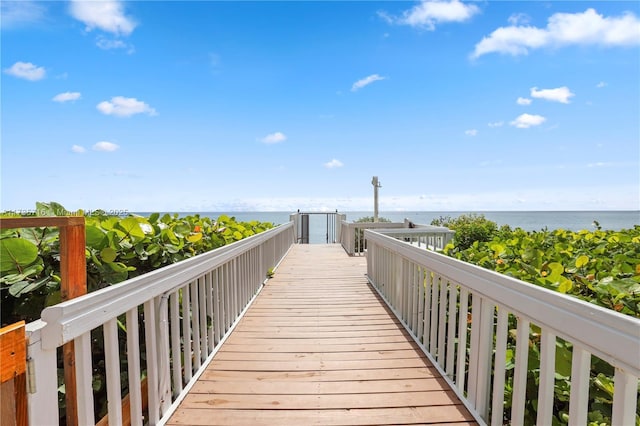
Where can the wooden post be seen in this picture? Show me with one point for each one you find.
(73, 272)
(13, 366)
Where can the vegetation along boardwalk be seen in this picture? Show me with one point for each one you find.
(318, 346)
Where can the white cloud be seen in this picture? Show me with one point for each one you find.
(272, 138)
(431, 12)
(523, 101)
(496, 124)
(471, 132)
(109, 44)
(563, 29)
(366, 81)
(560, 94)
(26, 70)
(66, 97)
(519, 19)
(20, 13)
(601, 85)
(124, 107)
(105, 146)
(77, 148)
(333, 164)
(106, 15)
(525, 121)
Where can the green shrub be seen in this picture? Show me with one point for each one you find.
(469, 229)
(117, 248)
(370, 219)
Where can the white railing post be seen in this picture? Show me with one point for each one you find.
(84, 379)
(502, 329)
(480, 354)
(150, 324)
(42, 378)
(112, 361)
(520, 372)
(625, 398)
(579, 398)
(133, 367)
(547, 376)
(164, 355)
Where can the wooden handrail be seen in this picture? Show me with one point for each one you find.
(40, 222)
(73, 274)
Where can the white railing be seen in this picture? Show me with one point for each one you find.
(352, 234)
(353, 239)
(422, 236)
(187, 310)
(460, 315)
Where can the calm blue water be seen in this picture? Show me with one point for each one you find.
(530, 221)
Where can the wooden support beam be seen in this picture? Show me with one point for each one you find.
(73, 273)
(13, 368)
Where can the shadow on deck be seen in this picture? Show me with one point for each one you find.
(319, 346)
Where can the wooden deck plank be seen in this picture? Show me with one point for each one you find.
(417, 415)
(331, 356)
(360, 387)
(318, 346)
(250, 401)
(322, 376)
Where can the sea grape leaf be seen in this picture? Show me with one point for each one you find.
(29, 271)
(108, 254)
(556, 271)
(497, 248)
(565, 285)
(32, 234)
(169, 236)
(16, 253)
(182, 229)
(194, 238)
(109, 223)
(563, 359)
(23, 287)
(96, 238)
(582, 260)
(131, 226)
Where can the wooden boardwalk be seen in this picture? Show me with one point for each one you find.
(319, 347)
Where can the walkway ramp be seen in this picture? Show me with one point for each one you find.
(318, 346)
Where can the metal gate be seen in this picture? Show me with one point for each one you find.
(317, 227)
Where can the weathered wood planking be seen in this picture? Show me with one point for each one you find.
(319, 347)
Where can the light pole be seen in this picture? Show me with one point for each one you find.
(376, 185)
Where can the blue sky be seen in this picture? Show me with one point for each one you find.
(230, 106)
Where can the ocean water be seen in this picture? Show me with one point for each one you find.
(527, 220)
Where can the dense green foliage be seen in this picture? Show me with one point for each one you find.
(117, 248)
(601, 267)
(366, 219)
(469, 228)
